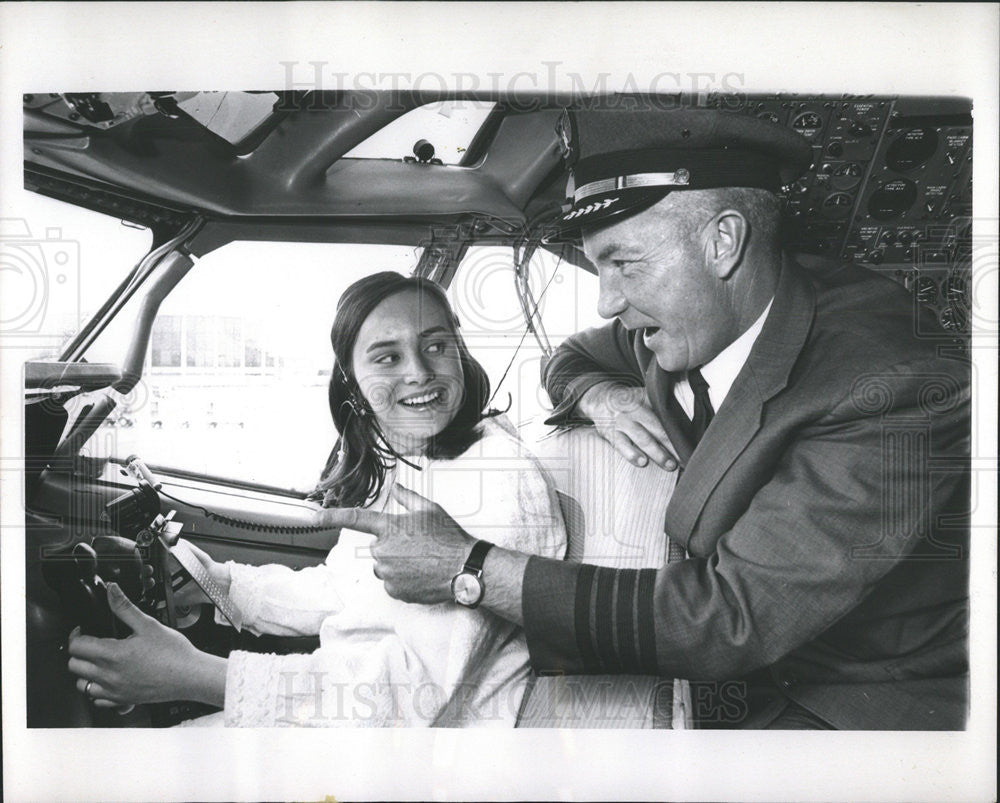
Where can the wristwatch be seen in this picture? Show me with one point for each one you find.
(467, 587)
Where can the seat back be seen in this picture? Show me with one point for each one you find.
(614, 517)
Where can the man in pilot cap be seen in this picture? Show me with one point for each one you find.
(823, 449)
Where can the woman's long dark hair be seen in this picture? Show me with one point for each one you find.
(355, 470)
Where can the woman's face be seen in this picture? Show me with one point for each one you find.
(407, 365)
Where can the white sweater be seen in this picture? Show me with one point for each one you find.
(383, 662)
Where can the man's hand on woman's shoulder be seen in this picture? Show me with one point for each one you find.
(623, 416)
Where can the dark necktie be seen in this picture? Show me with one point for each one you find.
(703, 411)
(703, 414)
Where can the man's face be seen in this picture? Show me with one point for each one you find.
(654, 277)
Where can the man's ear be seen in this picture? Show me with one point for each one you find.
(729, 234)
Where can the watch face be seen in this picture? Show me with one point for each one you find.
(467, 588)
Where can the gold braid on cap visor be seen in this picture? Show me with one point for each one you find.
(678, 178)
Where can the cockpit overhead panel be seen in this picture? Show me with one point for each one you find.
(890, 188)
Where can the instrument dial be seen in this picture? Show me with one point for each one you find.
(927, 290)
(846, 176)
(837, 206)
(892, 200)
(911, 149)
(808, 124)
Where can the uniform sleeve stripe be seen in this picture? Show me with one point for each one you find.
(647, 637)
(625, 619)
(605, 620)
(584, 641)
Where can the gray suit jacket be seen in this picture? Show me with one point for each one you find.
(825, 513)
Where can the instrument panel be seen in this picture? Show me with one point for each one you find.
(890, 188)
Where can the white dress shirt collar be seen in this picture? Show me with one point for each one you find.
(720, 372)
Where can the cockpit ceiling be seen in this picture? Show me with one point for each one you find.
(890, 183)
(289, 161)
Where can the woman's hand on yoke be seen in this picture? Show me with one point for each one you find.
(154, 664)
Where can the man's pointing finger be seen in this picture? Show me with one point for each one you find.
(354, 518)
(411, 500)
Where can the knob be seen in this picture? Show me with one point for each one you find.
(423, 150)
(860, 129)
(835, 149)
(875, 257)
(85, 559)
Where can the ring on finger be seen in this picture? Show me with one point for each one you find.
(86, 689)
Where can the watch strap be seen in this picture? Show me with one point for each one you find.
(474, 563)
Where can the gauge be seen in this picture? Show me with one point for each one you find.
(771, 117)
(911, 148)
(846, 175)
(837, 206)
(807, 121)
(954, 319)
(956, 288)
(892, 200)
(927, 290)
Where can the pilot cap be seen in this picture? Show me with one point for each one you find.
(623, 162)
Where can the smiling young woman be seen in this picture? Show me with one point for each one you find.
(403, 382)
(409, 402)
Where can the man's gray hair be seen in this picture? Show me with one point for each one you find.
(760, 207)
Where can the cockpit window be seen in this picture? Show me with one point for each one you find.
(449, 126)
(485, 300)
(58, 264)
(235, 378)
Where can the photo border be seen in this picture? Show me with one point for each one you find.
(916, 49)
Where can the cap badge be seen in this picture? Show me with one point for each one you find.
(595, 206)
